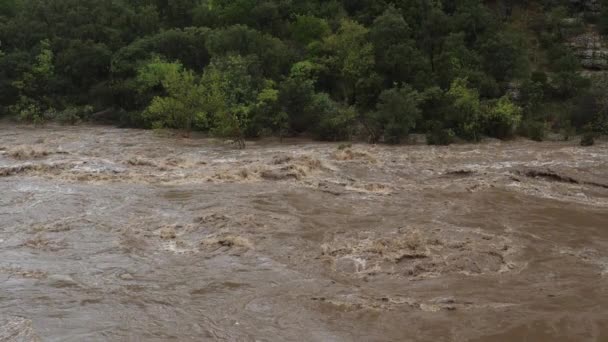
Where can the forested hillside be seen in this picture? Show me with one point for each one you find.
(340, 69)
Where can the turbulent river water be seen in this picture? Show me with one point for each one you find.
(111, 234)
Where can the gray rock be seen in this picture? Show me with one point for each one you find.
(591, 49)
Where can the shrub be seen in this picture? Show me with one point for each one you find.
(73, 115)
(503, 118)
(396, 113)
(184, 102)
(230, 93)
(231, 123)
(306, 29)
(335, 122)
(535, 130)
(588, 139)
(438, 135)
(267, 116)
(465, 112)
(30, 113)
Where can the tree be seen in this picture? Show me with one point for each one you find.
(456, 60)
(503, 55)
(268, 116)
(603, 17)
(33, 87)
(502, 118)
(349, 57)
(533, 93)
(591, 112)
(280, 67)
(434, 26)
(335, 121)
(274, 56)
(472, 18)
(9, 7)
(306, 29)
(232, 89)
(187, 46)
(183, 105)
(82, 65)
(177, 13)
(465, 112)
(296, 95)
(396, 113)
(396, 54)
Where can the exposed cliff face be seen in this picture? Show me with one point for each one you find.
(589, 46)
(592, 50)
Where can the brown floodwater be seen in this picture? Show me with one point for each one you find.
(113, 234)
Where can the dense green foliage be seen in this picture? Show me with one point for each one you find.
(338, 69)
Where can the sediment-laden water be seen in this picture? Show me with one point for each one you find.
(127, 235)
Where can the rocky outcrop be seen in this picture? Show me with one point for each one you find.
(589, 7)
(584, 38)
(591, 49)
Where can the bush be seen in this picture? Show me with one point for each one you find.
(231, 89)
(183, 106)
(503, 118)
(29, 111)
(267, 116)
(306, 29)
(336, 122)
(465, 112)
(73, 115)
(232, 124)
(437, 135)
(535, 130)
(588, 139)
(296, 97)
(396, 113)
(603, 17)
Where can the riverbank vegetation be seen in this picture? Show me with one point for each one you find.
(335, 70)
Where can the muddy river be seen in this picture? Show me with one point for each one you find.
(111, 234)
